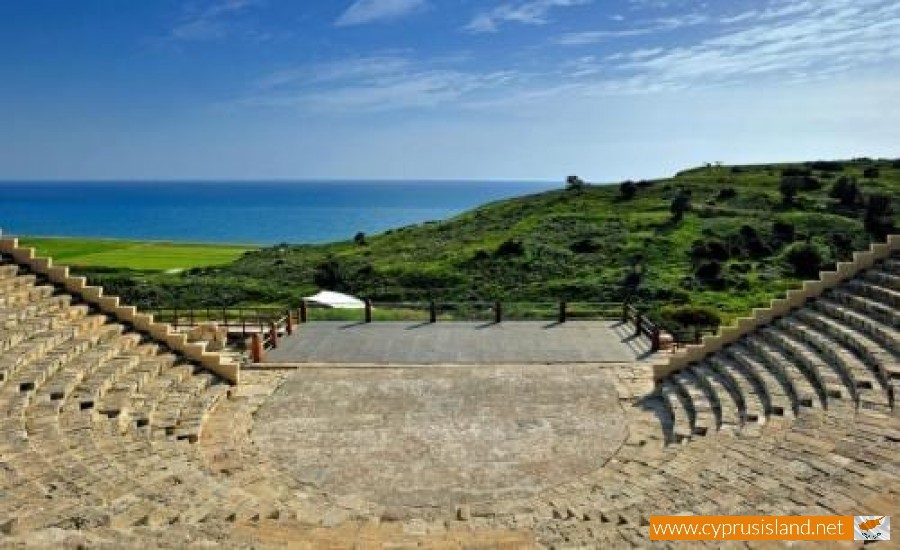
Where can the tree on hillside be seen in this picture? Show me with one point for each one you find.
(681, 203)
(879, 217)
(360, 239)
(846, 191)
(788, 189)
(628, 189)
(574, 183)
(330, 275)
(871, 173)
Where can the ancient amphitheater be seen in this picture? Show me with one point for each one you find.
(119, 432)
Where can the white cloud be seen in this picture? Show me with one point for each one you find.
(372, 84)
(530, 12)
(210, 22)
(656, 26)
(362, 12)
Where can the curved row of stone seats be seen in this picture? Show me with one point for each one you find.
(97, 422)
(821, 465)
(840, 353)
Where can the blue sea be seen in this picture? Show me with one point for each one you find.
(239, 212)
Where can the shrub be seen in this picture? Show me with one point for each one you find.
(710, 273)
(511, 248)
(360, 239)
(783, 231)
(879, 217)
(726, 193)
(752, 243)
(574, 183)
(331, 275)
(806, 259)
(795, 172)
(585, 246)
(712, 249)
(628, 190)
(846, 191)
(871, 173)
(689, 316)
(896, 164)
(827, 166)
(788, 189)
(681, 203)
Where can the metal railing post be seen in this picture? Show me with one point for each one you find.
(563, 314)
(290, 323)
(638, 319)
(432, 312)
(368, 310)
(498, 312)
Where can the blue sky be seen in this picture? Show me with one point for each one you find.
(494, 89)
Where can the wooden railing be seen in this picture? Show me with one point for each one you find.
(262, 327)
(642, 325)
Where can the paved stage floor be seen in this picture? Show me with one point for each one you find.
(401, 343)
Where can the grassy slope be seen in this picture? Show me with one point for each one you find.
(576, 245)
(145, 256)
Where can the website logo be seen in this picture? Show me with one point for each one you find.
(871, 528)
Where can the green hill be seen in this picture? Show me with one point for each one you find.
(747, 234)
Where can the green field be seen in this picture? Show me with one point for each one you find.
(140, 256)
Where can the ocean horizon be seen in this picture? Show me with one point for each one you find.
(241, 212)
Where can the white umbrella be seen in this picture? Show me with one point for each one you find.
(336, 300)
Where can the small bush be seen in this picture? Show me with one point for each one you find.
(628, 190)
(710, 274)
(827, 166)
(726, 193)
(871, 173)
(585, 246)
(680, 317)
(712, 249)
(879, 217)
(794, 172)
(360, 239)
(783, 231)
(806, 259)
(846, 191)
(511, 248)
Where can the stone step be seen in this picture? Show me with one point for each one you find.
(870, 384)
(883, 278)
(9, 284)
(726, 407)
(8, 271)
(882, 313)
(874, 291)
(836, 383)
(884, 335)
(25, 296)
(752, 391)
(781, 402)
(679, 410)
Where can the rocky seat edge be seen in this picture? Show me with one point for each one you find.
(779, 307)
(162, 333)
